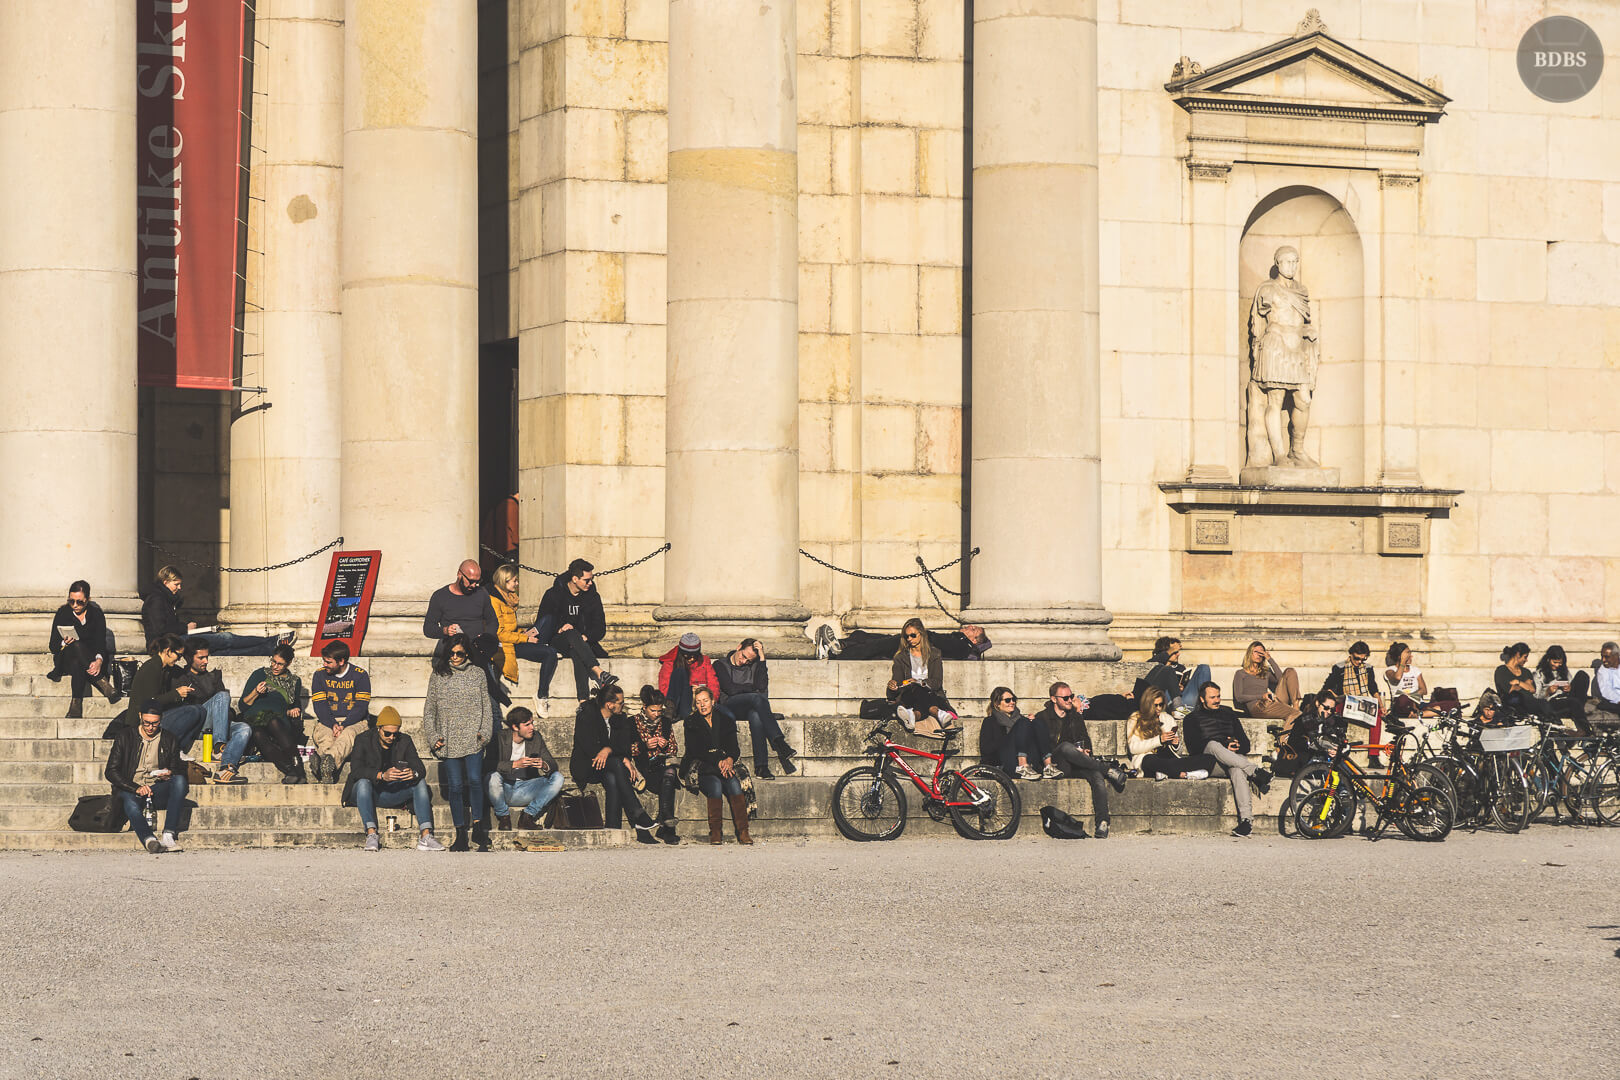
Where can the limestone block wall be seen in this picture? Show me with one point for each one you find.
(1511, 395)
(591, 165)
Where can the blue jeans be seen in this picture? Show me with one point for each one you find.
(167, 795)
(221, 644)
(370, 794)
(714, 785)
(530, 795)
(1189, 696)
(185, 722)
(545, 656)
(235, 744)
(464, 776)
(756, 709)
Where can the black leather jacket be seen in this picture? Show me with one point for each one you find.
(126, 755)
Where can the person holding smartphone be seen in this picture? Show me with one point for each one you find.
(144, 763)
(522, 773)
(1155, 743)
(386, 770)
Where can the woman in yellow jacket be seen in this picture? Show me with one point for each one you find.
(515, 643)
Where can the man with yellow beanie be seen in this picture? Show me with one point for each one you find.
(385, 770)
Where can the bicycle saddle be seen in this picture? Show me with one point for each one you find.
(1395, 726)
(943, 734)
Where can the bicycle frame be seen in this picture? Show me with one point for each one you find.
(890, 753)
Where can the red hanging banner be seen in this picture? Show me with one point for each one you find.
(190, 68)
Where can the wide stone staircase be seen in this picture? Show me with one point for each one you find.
(47, 761)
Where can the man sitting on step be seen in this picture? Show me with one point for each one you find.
(340, 694)
(1217, 730)
(522, 773)
(385, 770)
(209, 693)
(144, 765)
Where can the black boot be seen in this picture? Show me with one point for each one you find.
(461, 840)
(666, 833)
(480, 836)
(666, 800)
(785, 754)
(645, 831)
(75, 709)
(762, 770)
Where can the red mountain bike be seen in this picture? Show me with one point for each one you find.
(868, 802)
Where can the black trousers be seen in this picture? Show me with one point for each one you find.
(661, 772)
(278, 739)
(574, 645)
(1164, 760)
(619, 796)
(1079, 763)
(74, 661)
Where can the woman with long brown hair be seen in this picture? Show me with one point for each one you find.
(1261, 689)
(1155, 744)
(917, 680)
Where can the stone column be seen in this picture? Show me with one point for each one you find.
(410, 300)
(731, 481)
(1036, 428)
(1398, 192)
(67, 312)
(1211, 390)
(285, 447)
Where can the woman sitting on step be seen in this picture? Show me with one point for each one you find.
(269, 705)
(81, 649)
(711, 742)
(1014, 743)
(917, 682)
(1155, 744)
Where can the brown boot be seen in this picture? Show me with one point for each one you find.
(739, 818)
(715, 821)
(107, 691)
(75, 709)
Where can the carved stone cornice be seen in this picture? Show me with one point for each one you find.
(1398, 179)
(1218, 171)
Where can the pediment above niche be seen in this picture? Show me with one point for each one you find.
(1309, 75)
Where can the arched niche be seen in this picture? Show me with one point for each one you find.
(1332, 267)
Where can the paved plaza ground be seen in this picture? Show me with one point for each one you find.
(1139, 956)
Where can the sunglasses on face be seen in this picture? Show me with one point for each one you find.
(1009, 701)
(77, 603)
(1065, 697)
(458, 652)
(386, 733)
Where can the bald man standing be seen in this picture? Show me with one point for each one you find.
(461, 607)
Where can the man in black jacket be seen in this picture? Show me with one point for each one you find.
(208, 695)
(1071, 743)
(522, 773)
(160, 614)
(145, 764)
(386, 770)
(1217, 730)
(572, 622)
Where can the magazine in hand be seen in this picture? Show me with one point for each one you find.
(68, 634)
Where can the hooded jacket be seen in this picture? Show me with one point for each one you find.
(702, 672)
(583, 612)
(160, 612)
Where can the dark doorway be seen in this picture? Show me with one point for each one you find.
(497, 450)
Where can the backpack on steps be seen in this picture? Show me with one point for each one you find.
(96, 813)
(1060, 826)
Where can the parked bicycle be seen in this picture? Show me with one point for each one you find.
(1422, 811)
(869, 802)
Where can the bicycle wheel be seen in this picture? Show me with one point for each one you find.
(1306, 780)
(1603, 792)
(868, 806)
(1423, 813)
(1510, 793)
(1543, 779)
(1423, 774)
(1580, 769)
(1324, 814)
(997, 816)
(1467, 788)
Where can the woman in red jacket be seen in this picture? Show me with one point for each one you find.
(681, 668)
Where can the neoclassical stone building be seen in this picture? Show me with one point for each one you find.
(874, 278)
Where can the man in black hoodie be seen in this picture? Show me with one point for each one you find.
(1217, 730)
(572, 622)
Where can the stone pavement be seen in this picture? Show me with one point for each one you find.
(1140, 956)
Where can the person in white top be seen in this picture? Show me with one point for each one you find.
(1604, 704)
(1408, 690)
(1155, 744)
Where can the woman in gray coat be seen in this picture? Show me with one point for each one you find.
(456, 721)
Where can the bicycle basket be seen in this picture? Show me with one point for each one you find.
(1497, 740)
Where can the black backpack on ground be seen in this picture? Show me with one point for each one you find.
(97, 813)
(1060, 826)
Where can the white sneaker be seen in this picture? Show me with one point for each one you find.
(1160, 776)
(1198, 774)
(1051, 772)
(946, 718)
(1181, 712)
(1027, 773)
(170, 843)
(908, 719)
(372, 843)
(428, 843)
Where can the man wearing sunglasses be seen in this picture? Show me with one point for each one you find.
(461, 607)
(1065, 724)
(385, 770)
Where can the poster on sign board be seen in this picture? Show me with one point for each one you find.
(346, 604)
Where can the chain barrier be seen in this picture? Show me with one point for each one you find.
(935, 587)
(170, 556)
(654, 553)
